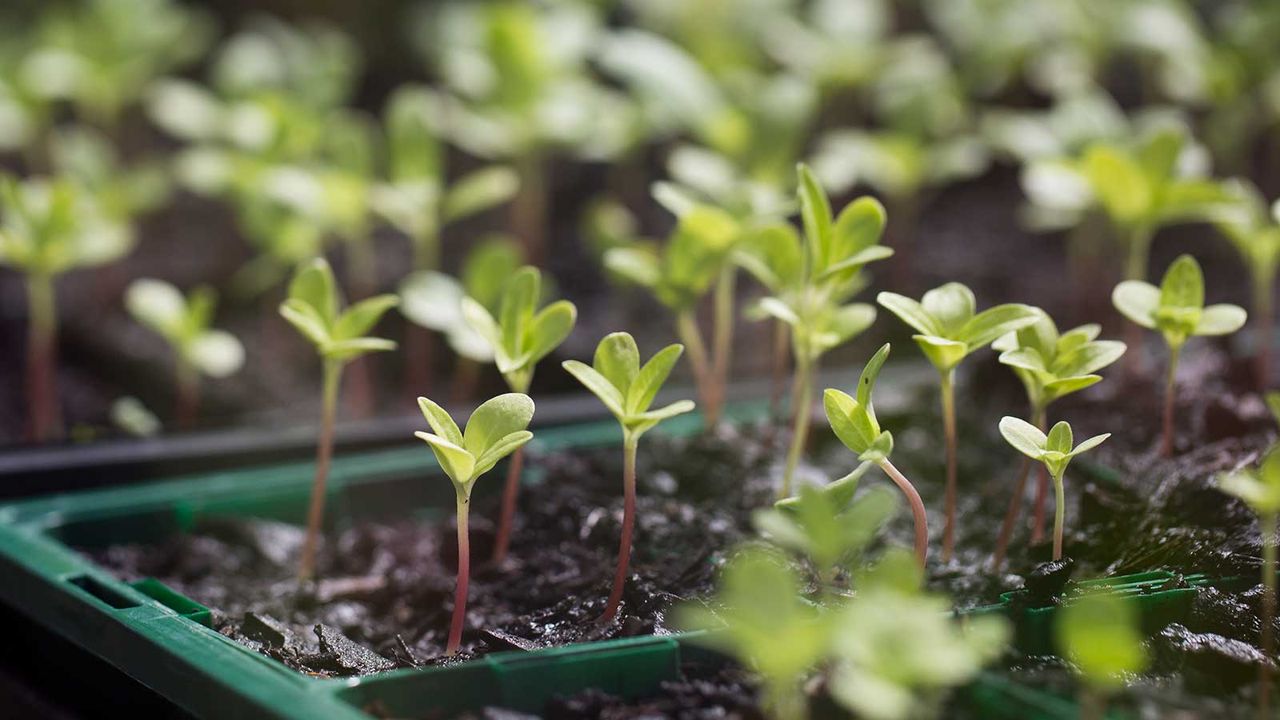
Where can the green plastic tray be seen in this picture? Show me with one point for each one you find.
(164, 641)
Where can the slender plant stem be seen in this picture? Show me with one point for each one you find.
(1059, 515)
(628, 524)
(426, 249)
(696, 350)
(1268, 522)
(464, 576)
(1264, 312)
(781, 353)
(187, 400)
(1170, 386)
(1038, 523)
(1139, 248)
(803, 407)
(42, 332)
(1015, 500)
(722, 340)
(917, 508)
(324, 452)
(529, 209)
(949, 430)
(509, 495)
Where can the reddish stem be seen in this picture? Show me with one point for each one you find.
(1011, 516)
(917, 509)
(324, 452)
(42, 394)
(628, 523)
(464, 578)
(509, 495)
(187, 398)
(1042, 503)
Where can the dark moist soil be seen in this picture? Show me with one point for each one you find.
(385, 593)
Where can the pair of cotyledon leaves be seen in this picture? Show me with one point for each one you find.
(497, 428)
(1177, 308)
(1052, 365)
(313, 307)
(626, 387)
(521, 334)
(184, 322)
(1055, 450)
(949, 326)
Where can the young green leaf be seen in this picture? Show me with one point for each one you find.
(826, 525)
(625, 387)
(496, 429)
(184, 323)
(949, 326)
(854, 420)
(1099, 634)
(521, 335)
(1052, 366)
(313, 307)
(1259, 488)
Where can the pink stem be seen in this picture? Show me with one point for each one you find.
(628, 523)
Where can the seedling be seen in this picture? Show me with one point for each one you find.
(314, 308)
(495, 430)
(897, 649)
(1055, 451)
(627, 389)
(1177, 310)
(810, 284)
(1050, 366)
(854, 421)
(1255, 233)
(679, 274)
(762, 619)
(50, 227)
(520, 336)
(950, 329)
(827, 525)
(1099, 634)
(1260, 490)
(184, 323)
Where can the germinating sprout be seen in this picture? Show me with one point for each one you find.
(1177, 310)
(1254, 230)
(889, 641)
(810, 283)
(1260, 490)
(1050, 365)
(694, 259)
(49, 227)
(495, 430)
(827, 525)
(628, 389)
(1055, 450)
(853, 419)
(314, 308)
(1099, 634)
(520, 335)
(949, 329)
(185, 323)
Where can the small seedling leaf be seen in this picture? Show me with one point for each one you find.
(617, 359)
(456, 462)
(1183, 285)
(599, 386)
(440, 421)
(355, 347)
(1059, 439)
(479, 191)
(651, 377)
(362, 316)
(951, 306)
(306, 319)
(494, 420)
(943, 353)
(1138, 301)
(910, 312)
(1023, 436)
(988, 325)
(500, 449)
(216, 353)
(314, 285)
(1221, 319)
(815, 212)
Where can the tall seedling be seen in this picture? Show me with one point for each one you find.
(50, 227)
(853, 419)
(679, 274)
(627, 389)
(1050, 366)
(1177, 310)
(314, 308)
(520, 336)
(495, 430)
(950, 329)
(184, 322)
(810, 285)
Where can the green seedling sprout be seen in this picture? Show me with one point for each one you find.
(1050, 366)
(314, 308)
(433, 300)
(1099, 634)
(810, 284)
(763, 620)
(827, 525)
(1177, 310)
(1055, 451)
(1260, 490)
(853, 419)
(495, 430)
(49, 227)
(679, 274)
(898, 649)
(184, 322)
(627, 389)
(1255, 233)
(950, 329)
(520, 336)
